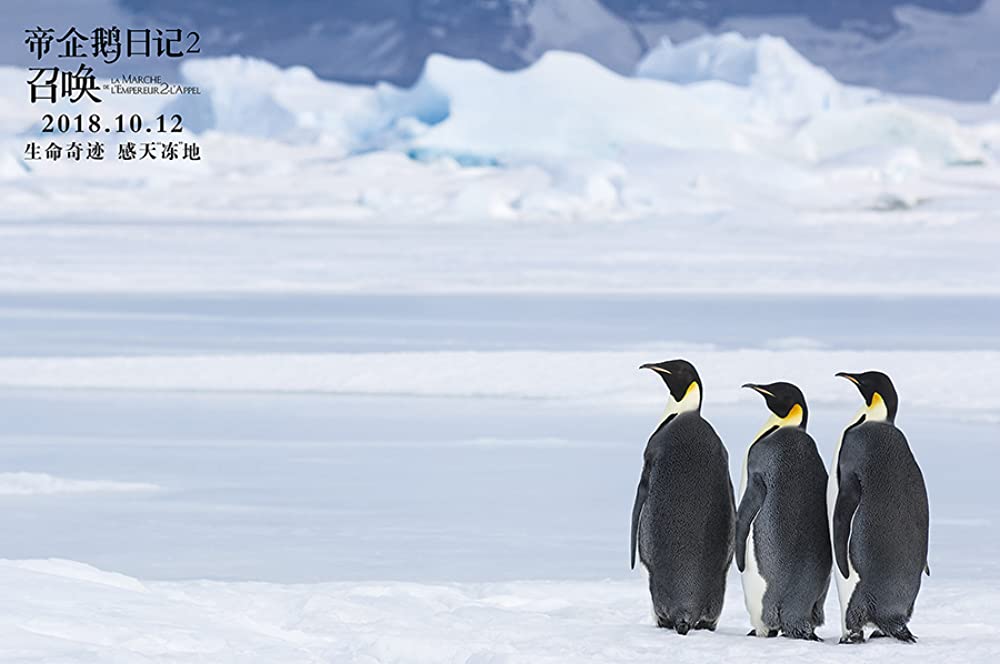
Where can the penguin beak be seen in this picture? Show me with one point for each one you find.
(850, 377)
(652, 366)
(757, 388)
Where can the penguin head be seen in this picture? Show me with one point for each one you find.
(879, 394)
(682, 381)
(785, 401)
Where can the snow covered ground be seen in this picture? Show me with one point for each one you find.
(109, 617)
(362, 385)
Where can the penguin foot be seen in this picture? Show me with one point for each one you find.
(771, 633)
(682, 627)
(705, 624)
(801, 634)
(853, 637)
(905, 635)
(664, 622)
(899, 631)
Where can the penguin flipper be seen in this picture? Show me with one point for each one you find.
(640, 499)
(848, 498)
(753, 500)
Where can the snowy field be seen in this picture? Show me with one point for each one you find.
(101, 613)
(362, 386)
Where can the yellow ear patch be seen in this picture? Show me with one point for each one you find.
(877, 411)
(794, 417)
(691, 401)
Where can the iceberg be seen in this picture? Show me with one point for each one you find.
(735, 59)
(935, 138)
(711, 126)
(11, 164)
(563, 105)
(250, 97)
(16, 112)
(723, 94)
(765, 78)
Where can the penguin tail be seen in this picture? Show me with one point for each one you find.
(897, 629)
(818, 617)
(803, 630)
(681, 625)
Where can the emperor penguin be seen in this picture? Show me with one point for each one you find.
(879, 517)
(782, 542)
(684, 512)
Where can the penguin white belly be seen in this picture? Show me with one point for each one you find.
(845, 586)
(754, 584)
(754, 587)
(638, 538)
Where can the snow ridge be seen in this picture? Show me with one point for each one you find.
(81, 614)
(43, 484)
(581, 376)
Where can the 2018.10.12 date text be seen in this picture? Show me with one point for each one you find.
(120, 124)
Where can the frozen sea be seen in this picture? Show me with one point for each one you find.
(296, 486)
(212, 520)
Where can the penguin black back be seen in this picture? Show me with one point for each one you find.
(791, 538)
(684, 512)
(881, 521)
(879, 516)
(782, 540)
